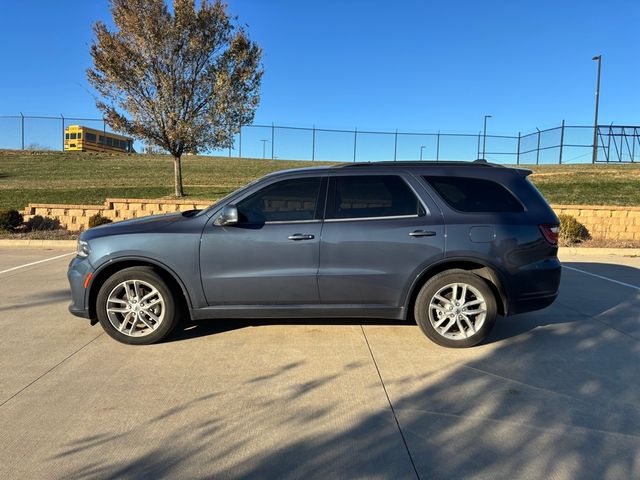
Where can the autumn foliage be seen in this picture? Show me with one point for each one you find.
(183, 79)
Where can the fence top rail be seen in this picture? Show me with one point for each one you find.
(59, 117)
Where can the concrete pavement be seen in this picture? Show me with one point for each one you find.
(553, 394)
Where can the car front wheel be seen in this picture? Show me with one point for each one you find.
(456, 309)
(135, 306)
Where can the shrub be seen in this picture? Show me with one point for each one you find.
(40, 223)
(97, 219)
(10, 220)
(571, 230)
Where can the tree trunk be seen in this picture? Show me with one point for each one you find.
(178, 176)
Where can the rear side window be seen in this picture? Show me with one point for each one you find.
(286, 201)
(475, 195)
(370, 196)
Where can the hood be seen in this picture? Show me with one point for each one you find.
(134, 225)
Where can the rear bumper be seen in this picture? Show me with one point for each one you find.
(538, 285)
(531, 304)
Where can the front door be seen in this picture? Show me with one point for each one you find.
(271, 256)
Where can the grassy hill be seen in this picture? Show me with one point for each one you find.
(56, 177)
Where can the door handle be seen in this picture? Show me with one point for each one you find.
(301, 236)
(423, 233)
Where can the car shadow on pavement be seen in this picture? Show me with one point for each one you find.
(202, 328)
(557, 397)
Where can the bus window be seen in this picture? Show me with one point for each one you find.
(101, 140)
(73, 136)
(90, 137)
(109, 142)
(79, 136)
(66, 136)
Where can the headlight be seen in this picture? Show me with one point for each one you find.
(83, 250)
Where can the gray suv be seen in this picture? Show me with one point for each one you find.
(450, 244)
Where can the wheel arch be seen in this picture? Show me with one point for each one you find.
(109, 268)
(480, 268)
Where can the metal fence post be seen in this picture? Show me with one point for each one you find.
(395, 146)
(62, 117)
(22, 128)
(355, 143)
(273, 137)
(561, 142)
(438, 147)
(538, 149)
(313, 145)
(609, 144)
(478, 153)
(240, 142)
(518, 152)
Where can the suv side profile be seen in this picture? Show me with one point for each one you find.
(451, 244)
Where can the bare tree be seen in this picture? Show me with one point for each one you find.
(183, 80)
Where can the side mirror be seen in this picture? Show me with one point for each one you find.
(228, 216)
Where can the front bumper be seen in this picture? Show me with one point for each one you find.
(79, 268)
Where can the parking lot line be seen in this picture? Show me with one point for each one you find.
(35, 263)
(598, 276)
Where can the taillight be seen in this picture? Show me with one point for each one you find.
(550, 233)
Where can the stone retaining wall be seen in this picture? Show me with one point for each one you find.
(604, 222)
(76, 217)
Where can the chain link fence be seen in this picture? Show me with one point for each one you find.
(562, 144)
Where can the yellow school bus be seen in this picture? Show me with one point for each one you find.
(82, 139)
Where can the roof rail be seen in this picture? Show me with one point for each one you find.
(423, 163)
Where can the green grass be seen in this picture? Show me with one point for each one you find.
(55, 177)
(601, 184)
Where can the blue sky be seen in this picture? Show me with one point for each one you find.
(411, 65)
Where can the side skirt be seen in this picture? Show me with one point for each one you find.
(298, 311)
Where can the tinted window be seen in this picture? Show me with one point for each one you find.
(90, 137)
(66, 136)
(101, 139)
(285, 201)
(73, 136)
(79, 136)
(372, 196)
(475, 194)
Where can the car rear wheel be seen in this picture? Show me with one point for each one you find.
(135, 306)
(456, 308)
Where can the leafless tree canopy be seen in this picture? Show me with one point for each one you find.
(182, 80)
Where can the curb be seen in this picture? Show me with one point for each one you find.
(594, 251)
(65, 244)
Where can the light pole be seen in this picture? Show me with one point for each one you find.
(594, 157)
(264, 147)
(421, 149)
(484, 136)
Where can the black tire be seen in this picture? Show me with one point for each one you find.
(424, 314)
(170, 318)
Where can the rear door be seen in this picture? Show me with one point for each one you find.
(377, 235)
